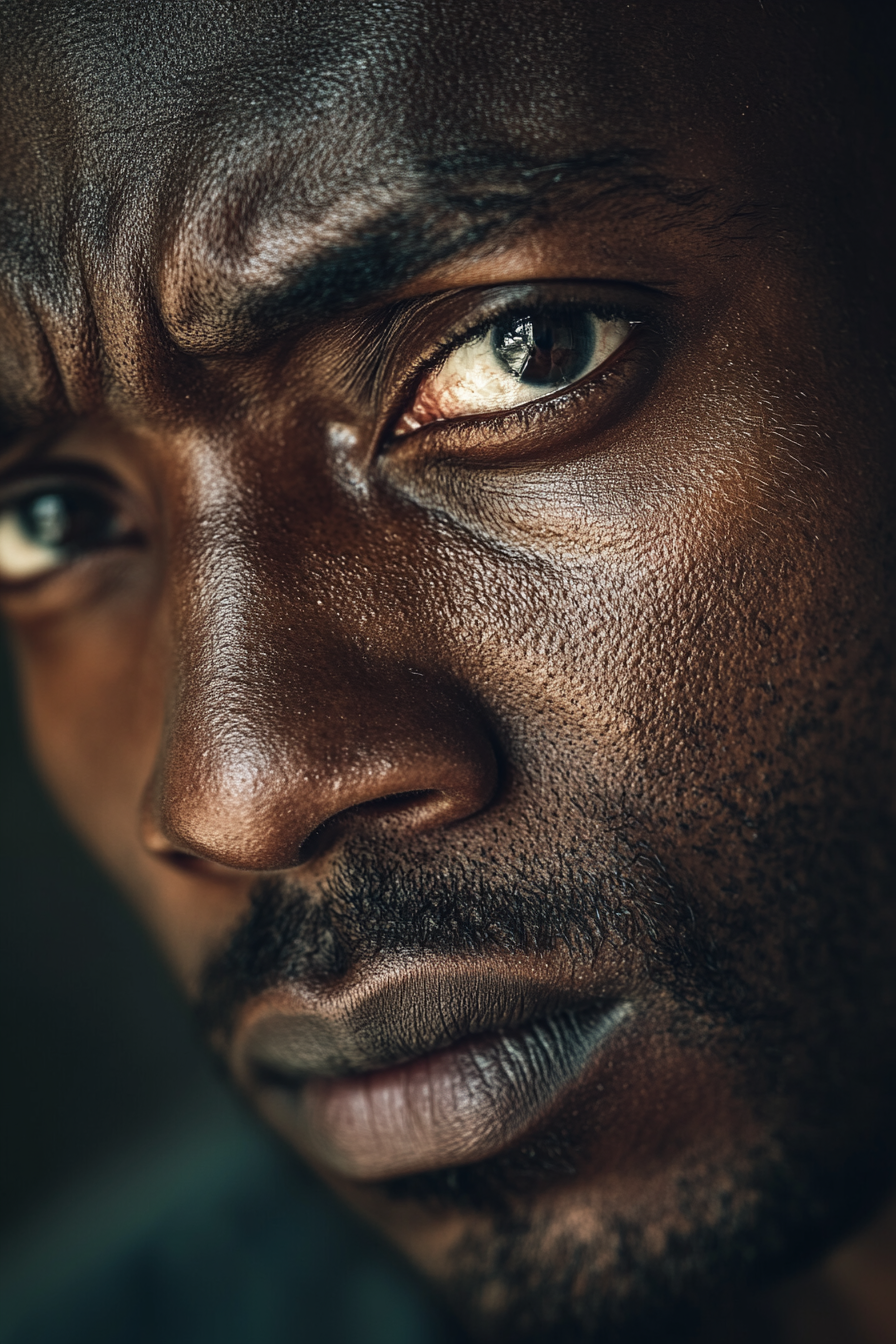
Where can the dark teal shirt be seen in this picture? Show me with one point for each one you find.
(209, 1234)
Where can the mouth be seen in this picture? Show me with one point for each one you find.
(415, 1072)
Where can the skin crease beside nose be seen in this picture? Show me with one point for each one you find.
(503, 762)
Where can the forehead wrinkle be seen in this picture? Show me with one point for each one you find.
(225, 290)
(47, 346)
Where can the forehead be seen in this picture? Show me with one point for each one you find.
(354, 88)
(420, 61)
(189, 156)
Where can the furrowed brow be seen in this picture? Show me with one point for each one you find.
(447, 209)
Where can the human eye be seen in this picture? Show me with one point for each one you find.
(520, 356)
(47, 526)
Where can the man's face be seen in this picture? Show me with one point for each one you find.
(446, 535)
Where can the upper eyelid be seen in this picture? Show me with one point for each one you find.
(28, 473)
(29, 447)
(465, 336)
(630, 308)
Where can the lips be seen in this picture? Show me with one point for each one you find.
(413, 1071)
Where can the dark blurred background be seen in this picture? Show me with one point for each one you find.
(97, 1047)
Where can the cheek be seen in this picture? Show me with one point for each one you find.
(94, 686)
(93, 694)
(682, 677)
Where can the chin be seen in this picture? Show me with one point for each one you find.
(522, 1248)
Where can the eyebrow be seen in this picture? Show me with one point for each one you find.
(451, 206)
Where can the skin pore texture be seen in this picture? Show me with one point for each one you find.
(508, 778)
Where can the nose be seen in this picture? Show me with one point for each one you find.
(280, 736)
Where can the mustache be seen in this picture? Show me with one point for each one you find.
(372, 904)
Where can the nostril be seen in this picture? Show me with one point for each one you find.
(185, 862)
(178, 858)
(389, 805)
(395, 802)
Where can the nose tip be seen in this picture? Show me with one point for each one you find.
(245, 799)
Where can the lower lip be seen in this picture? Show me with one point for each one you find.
(452, 1107)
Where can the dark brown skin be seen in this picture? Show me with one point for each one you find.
(593, 704)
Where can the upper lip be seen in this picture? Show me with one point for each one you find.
(396, 1012)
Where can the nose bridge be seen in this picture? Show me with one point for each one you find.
(286, 711)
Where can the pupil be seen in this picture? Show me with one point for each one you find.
(545, 351)
(48, 519)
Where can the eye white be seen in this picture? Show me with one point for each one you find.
(23, 556)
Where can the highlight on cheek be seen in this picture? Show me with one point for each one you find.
(520, 358)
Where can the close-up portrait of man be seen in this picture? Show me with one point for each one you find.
(447, 552)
